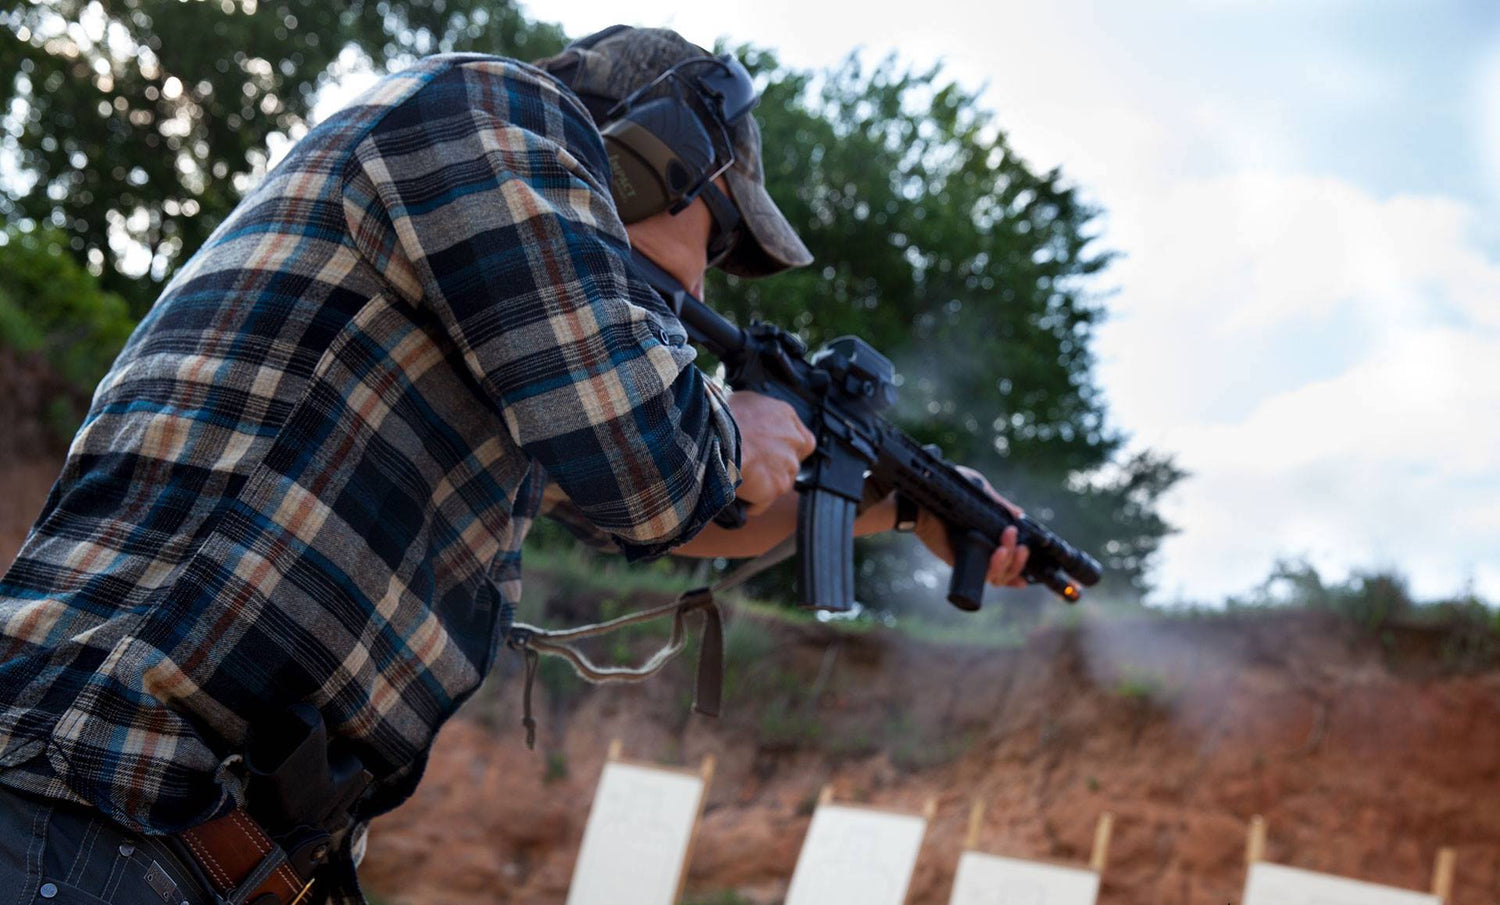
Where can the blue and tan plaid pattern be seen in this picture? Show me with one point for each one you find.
(308, 475)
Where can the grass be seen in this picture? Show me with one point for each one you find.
(1462, 634)
(912, 746)
(1376, 603)
(718, 897)
(1140, 685)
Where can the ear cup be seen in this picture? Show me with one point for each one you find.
(636, 184)
(657, 152)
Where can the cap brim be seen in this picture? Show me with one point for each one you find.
(771, 245)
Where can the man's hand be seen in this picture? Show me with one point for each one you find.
(773, 443)
(1009, 559)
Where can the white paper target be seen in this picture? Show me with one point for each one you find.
(992, 880)
(1277, 884)
(856, 856)
(636, 838)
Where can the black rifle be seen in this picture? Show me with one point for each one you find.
(839, 394)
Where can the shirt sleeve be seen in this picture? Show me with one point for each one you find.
(483, 197)
(558, 508)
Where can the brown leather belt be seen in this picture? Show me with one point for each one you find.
(234, 850)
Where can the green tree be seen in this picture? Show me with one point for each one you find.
(138, 124)
(58, 328)
(973, 272)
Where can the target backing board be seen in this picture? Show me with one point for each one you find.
(993, 880)
(637, 836)
(856, 856)
(1277, 884)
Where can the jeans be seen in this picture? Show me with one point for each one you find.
(53, 853)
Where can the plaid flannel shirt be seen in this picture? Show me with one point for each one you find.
(308, 474)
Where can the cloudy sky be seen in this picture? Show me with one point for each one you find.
(1307, 195)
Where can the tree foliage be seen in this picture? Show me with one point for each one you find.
(141, 122)
(975, 273)
(52, 311)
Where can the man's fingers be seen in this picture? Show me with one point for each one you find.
(806, 442)
(989, 488)
(790, 465)
(1008, 561)
(1017, 566)
(773, 443)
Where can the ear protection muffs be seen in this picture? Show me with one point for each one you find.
(658, 155)
(671, 138)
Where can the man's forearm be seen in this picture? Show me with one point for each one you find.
(764, 531)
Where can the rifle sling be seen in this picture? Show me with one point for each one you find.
(535, 642)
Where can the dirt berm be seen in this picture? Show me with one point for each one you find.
(1365, 751)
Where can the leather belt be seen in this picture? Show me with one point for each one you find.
(234, 851)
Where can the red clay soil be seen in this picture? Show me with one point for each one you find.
(1364, 755)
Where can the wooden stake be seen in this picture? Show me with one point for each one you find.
(707, 771)
(1442, 874)
(976, 821)
(1255, 845)
(615, 747)
(1102, 833)
(826, 796)
(929, 809)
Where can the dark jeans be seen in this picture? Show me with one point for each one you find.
(52, 853)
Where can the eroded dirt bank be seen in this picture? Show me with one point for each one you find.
(1365, 753)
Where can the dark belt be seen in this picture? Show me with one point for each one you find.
(243, 863)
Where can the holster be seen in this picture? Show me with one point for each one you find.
(301, 788)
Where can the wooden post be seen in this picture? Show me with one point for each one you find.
(826, 796)
(707, 772)
(615, 747)
(1255, 845)
(976, 821)
(1102, 832)
(929, 809)
(1442, 874)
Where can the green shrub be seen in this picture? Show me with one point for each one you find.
(52, 307)
(563, 684)
(1136, 684)
(786, 724)
(557, 768)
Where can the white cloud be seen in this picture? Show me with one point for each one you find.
(1387, 455)
(1236, 286)
(1487, 114)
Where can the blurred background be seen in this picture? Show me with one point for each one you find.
(1210, 287)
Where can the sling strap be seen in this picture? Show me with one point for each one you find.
(535, 642)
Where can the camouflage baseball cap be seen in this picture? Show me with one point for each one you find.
(607, 66)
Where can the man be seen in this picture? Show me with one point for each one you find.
(285, 544)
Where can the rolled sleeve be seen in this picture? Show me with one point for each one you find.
(499, 222)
